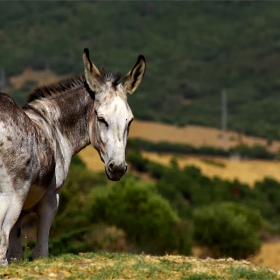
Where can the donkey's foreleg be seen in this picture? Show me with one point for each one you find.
(46, 211)
(11, 206)
(15, 246)
(4, 236)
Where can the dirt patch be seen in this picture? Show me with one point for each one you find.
(43, 77)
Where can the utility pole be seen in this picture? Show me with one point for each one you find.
(3, 80)
(224, 118)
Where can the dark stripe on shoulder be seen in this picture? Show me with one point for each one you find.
(31, 108)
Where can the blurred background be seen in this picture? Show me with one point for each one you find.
(203, 152)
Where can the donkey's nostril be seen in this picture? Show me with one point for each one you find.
(111, 166)
(125, 168)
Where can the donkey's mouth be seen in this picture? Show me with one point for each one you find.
(114, 176)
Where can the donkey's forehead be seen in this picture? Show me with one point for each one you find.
(115, 104)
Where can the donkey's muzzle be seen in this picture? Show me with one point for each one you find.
(115, 171)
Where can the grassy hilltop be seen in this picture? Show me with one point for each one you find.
(193, 51)
(126, 266)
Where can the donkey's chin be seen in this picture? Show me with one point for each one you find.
(114, 176)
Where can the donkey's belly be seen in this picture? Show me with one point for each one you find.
(34, 195)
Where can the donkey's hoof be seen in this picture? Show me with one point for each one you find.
(3, 262)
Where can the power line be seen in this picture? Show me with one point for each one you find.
(224, 118)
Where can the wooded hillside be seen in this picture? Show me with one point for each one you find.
(193, 51)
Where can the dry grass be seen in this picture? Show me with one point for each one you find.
(126, 266)
(269, 255)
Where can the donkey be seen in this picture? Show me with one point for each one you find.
(38, 141)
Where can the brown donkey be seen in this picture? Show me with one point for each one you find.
(38, 141)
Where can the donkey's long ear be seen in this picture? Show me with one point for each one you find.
(92, 74)
(133, 78)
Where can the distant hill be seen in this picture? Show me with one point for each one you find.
(193, 51)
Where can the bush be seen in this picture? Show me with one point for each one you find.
(256, 151)
(269, 199)
(147, 219)
(98, 237)
(224, 232)
(253, 216)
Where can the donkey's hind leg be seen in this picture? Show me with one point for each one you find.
(45, 210)
(15, 244)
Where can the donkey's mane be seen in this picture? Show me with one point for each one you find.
(50, 90)
(47, 91)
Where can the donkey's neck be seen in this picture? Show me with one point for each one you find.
(64, 116)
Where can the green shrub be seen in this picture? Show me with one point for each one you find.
(226, 231)
(268, 195)
(147, 219)
(253, 216)
(97, 237)
(256, 151)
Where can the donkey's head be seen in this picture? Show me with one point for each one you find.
(111, 115)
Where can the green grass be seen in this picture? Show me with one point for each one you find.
(127, 266)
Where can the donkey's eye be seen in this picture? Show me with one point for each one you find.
(128, 126)
(130, 123)
(102, 120)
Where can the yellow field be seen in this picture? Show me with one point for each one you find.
(246, 171)
(193, 135)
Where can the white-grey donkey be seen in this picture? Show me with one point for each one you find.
(38, 141)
